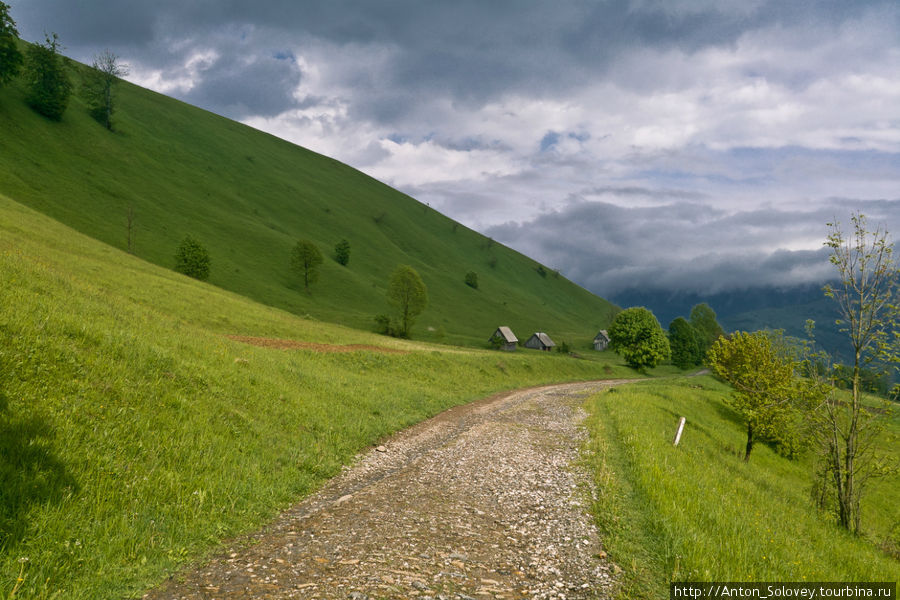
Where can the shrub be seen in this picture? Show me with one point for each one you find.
(472, 279)
(192, 259)
(342, 252)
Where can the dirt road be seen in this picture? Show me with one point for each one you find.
(482, 501)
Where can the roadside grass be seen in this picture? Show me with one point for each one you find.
(135, 437)
(698, 512)
(248, 196)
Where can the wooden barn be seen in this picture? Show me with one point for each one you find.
(540, 341)
(507, 337)
(601, 342)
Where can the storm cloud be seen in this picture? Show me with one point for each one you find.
(699, 144)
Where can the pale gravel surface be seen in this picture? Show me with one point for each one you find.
(483, 501)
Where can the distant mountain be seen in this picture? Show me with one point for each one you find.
(170, 169)
(750, 310)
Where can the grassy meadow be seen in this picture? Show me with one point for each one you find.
(248, 197)
(136, 436)
(698, 512)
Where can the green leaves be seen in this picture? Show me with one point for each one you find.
(638, 338)
(408, 293)
(10, 58)
(192, 259)
(49, 86)
(305, 261)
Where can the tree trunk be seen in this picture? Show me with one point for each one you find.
(749, 442)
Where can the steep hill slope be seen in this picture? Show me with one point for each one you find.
(248, 196)
(135, 435)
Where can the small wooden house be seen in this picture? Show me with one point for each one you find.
(601, 342)
(507, 337)
(540, 341)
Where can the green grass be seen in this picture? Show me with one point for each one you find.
(136, 437)
(698, 512)
(248, 196)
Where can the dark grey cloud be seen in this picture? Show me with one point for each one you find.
(684, 247)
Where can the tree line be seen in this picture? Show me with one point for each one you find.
(48, 83)
(787, 392)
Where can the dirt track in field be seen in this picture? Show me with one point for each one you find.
(483, 501)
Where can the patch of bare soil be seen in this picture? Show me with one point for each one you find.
(483, 501)
(282, 344)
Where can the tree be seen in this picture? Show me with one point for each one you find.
(472, 279)
(763, 382)
(638, 338)
(867, 299)
(305, 261)
(99, 86)
(342, 252)
(408, 293)
(49, 86)
(10, 58)
(686, 343)
(703, 319)
(192, 259)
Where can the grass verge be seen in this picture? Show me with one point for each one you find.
(698, 512)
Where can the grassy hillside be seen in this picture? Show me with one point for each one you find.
(135, 435)
(248, 196)
(698, 512)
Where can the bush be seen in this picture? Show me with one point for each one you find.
(192, 259)
(342, 252)
(563, 347)
(472, 279)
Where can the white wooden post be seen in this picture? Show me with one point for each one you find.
(680, 429)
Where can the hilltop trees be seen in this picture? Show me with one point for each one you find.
(192, 259)
(638, 338)
(306, 260)
(10, 58)
(99, 85)
(49, 87)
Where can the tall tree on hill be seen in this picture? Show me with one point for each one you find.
(10, 58)
(869, 306)
(99, 86)
(49, 86)
(408, 293)
(306, 258)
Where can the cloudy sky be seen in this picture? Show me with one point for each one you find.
(699, 145)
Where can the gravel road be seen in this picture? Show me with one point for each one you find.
(482, 501)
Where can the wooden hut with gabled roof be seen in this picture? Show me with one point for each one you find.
(508, 339)
(601, 341)
(540, 341)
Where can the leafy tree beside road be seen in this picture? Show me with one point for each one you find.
(638, 338)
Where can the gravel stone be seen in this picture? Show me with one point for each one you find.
(483, 501)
